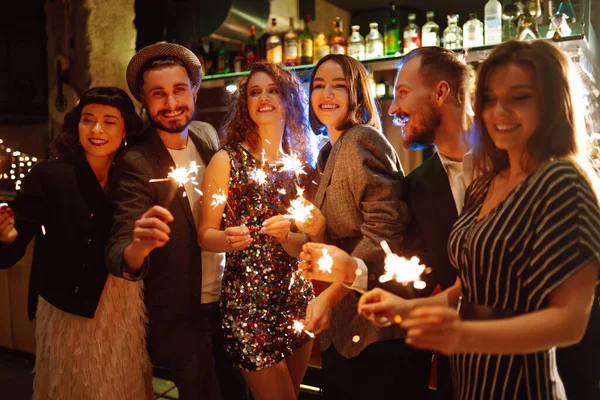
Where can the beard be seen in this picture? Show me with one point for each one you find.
(173, 126)
(424, 124)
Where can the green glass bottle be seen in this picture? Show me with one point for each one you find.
(392, 32)
(306, 43)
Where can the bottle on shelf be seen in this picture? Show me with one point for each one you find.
(473, 32)
(430, 32)
(274, 46)
(321, 47)
(223, 60)
(412, 34)
(356, 44)
(566, 7)
(239, 59)
(290, 46)
(510, 14)
(251, 49)
(374, 42)
(306, 43)
(493, 22)
(453, 35)
(338, 43)
(211, 59)
(392, 32)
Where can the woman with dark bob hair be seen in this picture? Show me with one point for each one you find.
(359, 196)
(527, 244)
(90, 329)
(263, 292)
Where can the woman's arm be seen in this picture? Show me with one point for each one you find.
(562, 323)
(210, 235)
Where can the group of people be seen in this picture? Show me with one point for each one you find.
(210, 277)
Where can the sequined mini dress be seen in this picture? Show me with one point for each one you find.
(263, 290)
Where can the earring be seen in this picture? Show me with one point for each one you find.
(124, 142)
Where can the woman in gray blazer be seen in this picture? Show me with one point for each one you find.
(359, 196)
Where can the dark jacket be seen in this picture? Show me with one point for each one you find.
(64, 199)
(172, 274)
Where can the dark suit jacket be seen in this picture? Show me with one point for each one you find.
(360, 196)
(172, 274)
(63, 198)
(433, 211)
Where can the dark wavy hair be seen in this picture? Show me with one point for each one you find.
(67, 143)
(560, 129)
(362, 108)
(297, 137)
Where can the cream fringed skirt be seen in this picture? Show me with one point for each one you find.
(103, 358)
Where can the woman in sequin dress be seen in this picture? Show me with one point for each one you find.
(263, 291)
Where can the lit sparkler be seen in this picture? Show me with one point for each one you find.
(325, 262)
(299, 327)
(299, 209)
(401, 269)
(291, 162)
(181, 176)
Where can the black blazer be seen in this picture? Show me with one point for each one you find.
(429, 196)
(64, 199)
(172, 274)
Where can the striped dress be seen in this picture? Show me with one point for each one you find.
(545, 230)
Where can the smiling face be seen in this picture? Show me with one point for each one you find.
(265, 105)
(511, 106)
(413, 107)
(329, 98)
(101, 130)
(169, 98)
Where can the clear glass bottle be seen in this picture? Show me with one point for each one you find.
(338, 44)
(392, 32)
(374, 42)
(321, 47)
(290, 46)
(306, 43)
(473, 32)
(274, 46)
(412, 34)
(493, 22)
(430, 32)
(356, 44)
(453, 35)
(566, 7)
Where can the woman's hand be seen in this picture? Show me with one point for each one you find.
(8, 233)
(315, 225)
(434, 328)
(277, 227)
(318, 314)
(382, 307)
(238, 237)
(343, 268)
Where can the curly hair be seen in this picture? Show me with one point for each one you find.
(297, 136)
(362, 108)
(67, 143)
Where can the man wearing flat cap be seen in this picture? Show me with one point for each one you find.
(154, 231)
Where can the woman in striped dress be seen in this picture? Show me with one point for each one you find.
(527, 244)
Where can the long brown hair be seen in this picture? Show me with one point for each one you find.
(557, 132)
(297, 137)
(361, 105)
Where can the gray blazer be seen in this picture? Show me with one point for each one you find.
(359, 194)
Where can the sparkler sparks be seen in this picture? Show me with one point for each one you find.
(325, 262)
(259, 176)
(401, 269)
(299, 209)
(299, 328)
(218, 198)
(291, 162)
(181, 175)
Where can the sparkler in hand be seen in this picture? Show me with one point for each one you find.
(299, 328)
(401, 269)
(299, 209)
(291, 162)
(325, 262)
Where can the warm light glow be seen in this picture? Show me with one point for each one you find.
(325, 262)
(299, 328)
(401, 269)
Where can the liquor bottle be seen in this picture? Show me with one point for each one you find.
(430, 32)
(306, 43)
(392, 32)
(374, 42)
(238, 59)
(412, 34)
(251, 48)
(290, 47)
(356, 44)
(223, 60)
(274, 47)
(473, 32)
(321, 47)
(453, 36)
(211, 59)
(493, 22)
(566, 7)
(337, 43)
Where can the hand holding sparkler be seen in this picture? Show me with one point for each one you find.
(327, 263)
(314, 225)
(318, 314)
(8, 233)
(278, 227)
(299, 328)
(381, 307)
(238, 237)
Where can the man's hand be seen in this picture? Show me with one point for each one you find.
(318, 314)
(343, 269)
